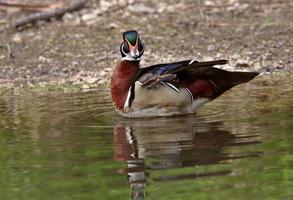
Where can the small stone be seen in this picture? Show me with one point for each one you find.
(175, 7)
(65, 70)
(211, 47)
(113, 25)
(141, 8)
(91, 80)
(235, 56)
(71, 18)
(75, 64)
(102, 73)
(108, 69)
(89, 16)
(44, 59)
(105, 5)
(242, 64)
(161, 7)
(209, 3)
(67, 17)
(85, 86)
(17, 38)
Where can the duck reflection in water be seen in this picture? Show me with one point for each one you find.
(173, 143)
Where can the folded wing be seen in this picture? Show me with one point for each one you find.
(195, 76)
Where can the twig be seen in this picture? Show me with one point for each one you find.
(9, 51)
(28, 7)
(46, 15)
(201, 8)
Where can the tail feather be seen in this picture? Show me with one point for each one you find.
(225, 80)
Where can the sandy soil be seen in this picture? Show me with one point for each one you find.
(82, 48)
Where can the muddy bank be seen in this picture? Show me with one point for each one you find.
(82, 48)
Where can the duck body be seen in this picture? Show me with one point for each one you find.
(168, 89)
(160, 91)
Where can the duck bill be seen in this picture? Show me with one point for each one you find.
(134, 51)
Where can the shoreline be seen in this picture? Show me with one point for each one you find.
(265, 79)
(82, 48)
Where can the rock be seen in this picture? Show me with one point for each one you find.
(102, 73)
(67, 17)
(44, 59)
(91, 16)
(75, 63)
(238, 8)
(85, 86)
(242, 64)
(91, 80)
(176, 7)
(88, 17)
(141, 8)
(211, 47)
(108, 69)
(72, 18)
(106, 5)
(161, 7)
(209, 3)
(113, 25)
(17, 38)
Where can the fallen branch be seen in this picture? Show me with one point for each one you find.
(28, 7)
(46, 15)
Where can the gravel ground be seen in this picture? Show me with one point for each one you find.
(82, 47)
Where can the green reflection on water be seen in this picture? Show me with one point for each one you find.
(74, 146)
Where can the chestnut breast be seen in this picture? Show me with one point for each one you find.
(122, 78)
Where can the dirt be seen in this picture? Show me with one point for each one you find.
(82, 48)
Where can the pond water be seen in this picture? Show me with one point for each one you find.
(75, 146)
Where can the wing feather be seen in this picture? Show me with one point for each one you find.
(172, 72)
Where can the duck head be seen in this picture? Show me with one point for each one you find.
(132, 46)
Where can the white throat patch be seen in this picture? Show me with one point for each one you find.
(129, 58)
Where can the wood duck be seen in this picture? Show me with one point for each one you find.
(166, 89)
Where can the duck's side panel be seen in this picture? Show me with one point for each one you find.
(160, 96)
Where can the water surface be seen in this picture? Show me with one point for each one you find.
(75, 146)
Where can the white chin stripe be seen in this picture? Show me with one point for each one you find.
(130, 58)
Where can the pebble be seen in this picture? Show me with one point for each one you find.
(91, 80)
(90, 16)
(113, 25)
(17, 38)
(44, 59)
(211, 47)
(141, 8)
(242, 64)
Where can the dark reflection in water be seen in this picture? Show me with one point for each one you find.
(179, 142)
(60, 146)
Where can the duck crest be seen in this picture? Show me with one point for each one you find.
(122, 78)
